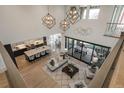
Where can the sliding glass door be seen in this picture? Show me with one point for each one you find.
(70, 46)
(77, 49)
(86, 51)
(66, 43)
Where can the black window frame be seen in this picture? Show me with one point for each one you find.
(94, 44)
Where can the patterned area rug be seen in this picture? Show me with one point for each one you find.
(62, 78)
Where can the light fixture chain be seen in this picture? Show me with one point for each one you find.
(48, 9)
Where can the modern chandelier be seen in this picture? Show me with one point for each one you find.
(48, 20)
(71, 17)
(73, 14)
(64, 24)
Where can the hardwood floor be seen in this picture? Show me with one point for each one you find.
(117, 80)
(3, 81)
(33, 74)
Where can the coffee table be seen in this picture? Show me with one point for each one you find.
(70, 70)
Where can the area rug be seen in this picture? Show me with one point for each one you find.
(63, 79)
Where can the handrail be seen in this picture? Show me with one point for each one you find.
(116, 23)
(13, 75)
(101, 75)
(114, 29)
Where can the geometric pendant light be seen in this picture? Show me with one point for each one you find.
(48, 20)
(64, 24)
(73, 14)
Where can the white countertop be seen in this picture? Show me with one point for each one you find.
(36, 50)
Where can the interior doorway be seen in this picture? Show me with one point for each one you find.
(55, 41)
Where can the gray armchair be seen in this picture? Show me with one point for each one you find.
(78, 84)
(90, 72)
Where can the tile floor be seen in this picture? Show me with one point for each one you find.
(62, 78)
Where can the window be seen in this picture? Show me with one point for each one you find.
(116, 25)
(121, 18)
(94, 12)
(90, 12)
(83, 12)
(86, 51)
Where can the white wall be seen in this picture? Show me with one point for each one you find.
(97, 27)
(18, 23)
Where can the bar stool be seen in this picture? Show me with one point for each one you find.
(47, 51)
(31, 58)
(37, 55)
(43, 53)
